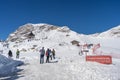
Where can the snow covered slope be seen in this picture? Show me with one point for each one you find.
(68, 65)
(60, 38)
(8, 66)
(41, 31)
(114, 32)
(51, 35)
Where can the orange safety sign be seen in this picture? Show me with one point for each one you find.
(104, 59)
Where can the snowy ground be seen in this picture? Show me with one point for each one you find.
(67, 68)
(8, 67)
(68, 65)
(74, 68)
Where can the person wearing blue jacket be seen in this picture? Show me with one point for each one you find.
(42, 53)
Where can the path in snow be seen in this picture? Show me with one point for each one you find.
(74, 69)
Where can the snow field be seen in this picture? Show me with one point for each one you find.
(68, 65)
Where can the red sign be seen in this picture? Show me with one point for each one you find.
(104, 59)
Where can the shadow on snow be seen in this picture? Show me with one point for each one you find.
(12, 75)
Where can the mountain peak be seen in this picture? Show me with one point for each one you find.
(23, 31)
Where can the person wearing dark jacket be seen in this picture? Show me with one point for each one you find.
(50, 54)
(47, 55)
(10, 54)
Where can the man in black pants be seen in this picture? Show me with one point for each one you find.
(47, 55)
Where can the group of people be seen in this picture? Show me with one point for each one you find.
(10, 54)
(49, 54)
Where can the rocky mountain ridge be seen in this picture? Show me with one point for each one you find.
(23, 31)
(41, 30)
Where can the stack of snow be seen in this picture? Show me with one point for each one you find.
(8, 66)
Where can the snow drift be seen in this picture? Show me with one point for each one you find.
(8, 66)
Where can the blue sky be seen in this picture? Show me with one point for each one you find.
(82, 16)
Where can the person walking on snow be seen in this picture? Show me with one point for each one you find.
(50, 54)
(17, 53)
(10, 54)
(42, 53)
(47, 55)
(53, 53)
